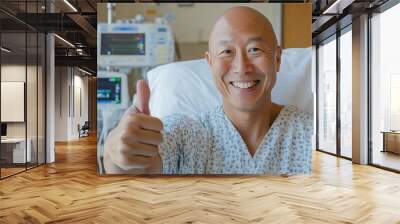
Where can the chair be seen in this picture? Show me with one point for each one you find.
(84, 130)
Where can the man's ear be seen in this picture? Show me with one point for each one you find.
(207, 56)
(278, 54)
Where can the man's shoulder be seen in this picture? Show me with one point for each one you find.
(296, 115)
(295, 111)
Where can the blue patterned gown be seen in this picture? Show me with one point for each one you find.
(210, 144)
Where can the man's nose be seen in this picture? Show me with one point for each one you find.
(242, 64)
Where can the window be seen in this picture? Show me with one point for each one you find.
(346, 94)
(327, 96)
(385, 89)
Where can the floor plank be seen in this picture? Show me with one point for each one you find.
(70, 191)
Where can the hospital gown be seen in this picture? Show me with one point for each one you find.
(209, 144)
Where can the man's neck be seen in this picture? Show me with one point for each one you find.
(252, 125)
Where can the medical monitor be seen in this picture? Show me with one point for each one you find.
(112, 90)
(109, 90)
(123, 44)
(134, 45)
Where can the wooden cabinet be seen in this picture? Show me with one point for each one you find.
(391, 141)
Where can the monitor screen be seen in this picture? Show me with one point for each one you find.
(3, 129)
(123, 44)
(109, 90)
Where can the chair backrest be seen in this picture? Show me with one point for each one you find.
(86, 125)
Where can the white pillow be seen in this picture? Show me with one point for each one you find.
(187, 87)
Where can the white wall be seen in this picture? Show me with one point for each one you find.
(61, 103)
(13, 73)
(70, 84)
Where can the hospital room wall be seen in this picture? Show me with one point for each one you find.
(191, 24)
(296, 25)
(71, 102)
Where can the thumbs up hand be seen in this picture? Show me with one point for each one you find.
(143, 97)
(132, 147)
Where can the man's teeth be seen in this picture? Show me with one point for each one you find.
(244, 85)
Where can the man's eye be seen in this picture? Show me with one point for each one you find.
(224, 52)
(254, 50)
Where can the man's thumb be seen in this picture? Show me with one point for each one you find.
(143, 97)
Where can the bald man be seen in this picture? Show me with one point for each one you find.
(247, 134)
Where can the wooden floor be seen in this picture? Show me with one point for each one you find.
(10, 171)
(5, 172)
(388, 159)
(70, 191)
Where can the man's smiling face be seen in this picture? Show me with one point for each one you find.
(244, 58)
